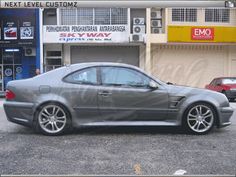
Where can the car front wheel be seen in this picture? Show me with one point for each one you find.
(199, 118)
(52, 119)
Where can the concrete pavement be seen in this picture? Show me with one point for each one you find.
(116, 151)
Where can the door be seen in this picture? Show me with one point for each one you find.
(192, 65)
(81, 91)
(11, 65)
(125, 96)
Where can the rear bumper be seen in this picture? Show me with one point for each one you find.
(225, 114)
(19, 112)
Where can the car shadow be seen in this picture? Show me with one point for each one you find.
(129, 130)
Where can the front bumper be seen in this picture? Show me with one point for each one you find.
(19, 112)
(225, 114)
(231, 94)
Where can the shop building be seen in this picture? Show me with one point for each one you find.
(19, 44)
(187, 46)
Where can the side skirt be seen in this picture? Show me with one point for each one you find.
(131, 123)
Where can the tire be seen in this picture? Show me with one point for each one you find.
(52, 119)
(199, 118)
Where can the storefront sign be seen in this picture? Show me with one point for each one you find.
(86, 34)
(17, 27)
(203, 34)
(10, 30)
(26, 30)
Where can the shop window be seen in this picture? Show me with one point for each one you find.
(68, 16)
(184, 15)
(118, 16)
(102, 16)
(85, 16)
(217, 15)
(94, 16)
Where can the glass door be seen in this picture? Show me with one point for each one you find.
(11, 65)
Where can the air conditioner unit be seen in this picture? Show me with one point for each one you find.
(139, 29)
(137, 38)
(138, 21)
(157, 30)
(156, 23)
(30, 51)
(156, 14)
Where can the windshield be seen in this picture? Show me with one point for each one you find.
(229, 81)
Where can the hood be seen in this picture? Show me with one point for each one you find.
(190, 91)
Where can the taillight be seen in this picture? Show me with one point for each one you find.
(9, 95)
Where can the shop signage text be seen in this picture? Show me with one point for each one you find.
(202, 34)
(86, 34)
(17, 27)
(39, 4)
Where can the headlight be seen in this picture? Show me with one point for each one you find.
(233, 89)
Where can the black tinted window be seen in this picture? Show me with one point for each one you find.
(85, 76)
(118, 76)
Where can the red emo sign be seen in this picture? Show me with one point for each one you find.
(202, 33)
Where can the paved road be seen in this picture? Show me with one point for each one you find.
(129, 151)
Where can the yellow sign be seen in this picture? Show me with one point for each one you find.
(215, 34)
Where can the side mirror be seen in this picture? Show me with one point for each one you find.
(153, 85)
(169, 83)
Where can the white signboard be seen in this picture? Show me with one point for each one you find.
(86, 34)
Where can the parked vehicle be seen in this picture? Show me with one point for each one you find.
(225, 85)
(111, 94)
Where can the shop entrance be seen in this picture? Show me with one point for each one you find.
(10, 66)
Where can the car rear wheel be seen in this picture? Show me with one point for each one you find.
(200, 118)
(53, 119)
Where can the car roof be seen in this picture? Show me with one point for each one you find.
(90, 64)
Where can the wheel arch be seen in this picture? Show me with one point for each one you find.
(37, 108)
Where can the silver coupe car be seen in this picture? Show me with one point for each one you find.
(111, 94)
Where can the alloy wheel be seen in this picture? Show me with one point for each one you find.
(200, 118)
(52, 119)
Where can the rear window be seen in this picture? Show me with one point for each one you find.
(229, 81)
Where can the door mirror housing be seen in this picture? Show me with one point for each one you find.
(153, 85)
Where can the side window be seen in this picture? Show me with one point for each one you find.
(218, 82)
(213, 83)
(85, 76)
(125, 77)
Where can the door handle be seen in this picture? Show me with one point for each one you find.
(104, 93)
